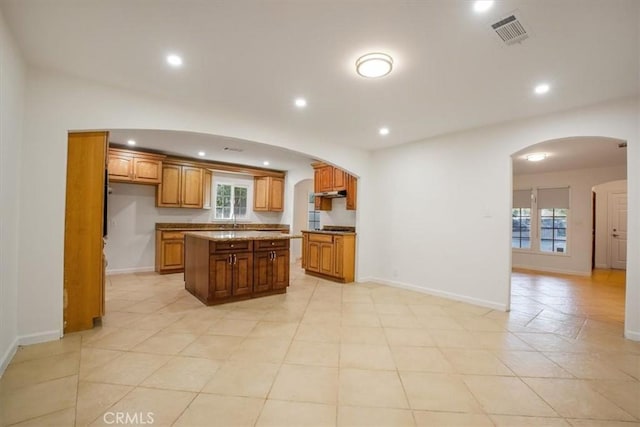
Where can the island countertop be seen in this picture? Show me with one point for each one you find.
(222, 236)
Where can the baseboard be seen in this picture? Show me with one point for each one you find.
(603, 266)
(365, 279)
(8, 355)
(129, 270)
(39, 337)
(632, 335)
(435, 292)
(553, 270)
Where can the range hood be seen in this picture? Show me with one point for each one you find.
(332, 194)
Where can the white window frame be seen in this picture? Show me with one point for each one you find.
(233, 214)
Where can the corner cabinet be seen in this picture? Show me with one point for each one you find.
(331, 256)
(134, 167)
(184, 186)
(268, 194)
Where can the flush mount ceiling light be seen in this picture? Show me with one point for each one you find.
(374, 65)
(300, 102)
(383, 131)
(536, 157)
(174, 60)
(482, 6)
(201, 153)
(266, 163)
(542, 88)
(131, 142)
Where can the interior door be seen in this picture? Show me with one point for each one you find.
(618, 235)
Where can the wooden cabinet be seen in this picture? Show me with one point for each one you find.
(329, 255)
(184, 186)
(84, 262)
(329, 178)
(134, 167)
(270, 265)
(169, 251)
(268, 194)
(222, 271)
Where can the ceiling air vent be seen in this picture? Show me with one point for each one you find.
(510, 30)
(237, 150)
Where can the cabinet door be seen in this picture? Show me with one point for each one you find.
(262, 271)
(280, 269)
(276, 194)
(147, 170)
(120, 167)
(352, 192)
(220, 276)
(339, 179)
(172, 256)
(326, 178)
(191, 187)
(242, 274)
(206, 189)
(261, 193)
(305, 249)
(313, 257)
(316, 181)
(168, 193)
(326, 258)
(338, 264)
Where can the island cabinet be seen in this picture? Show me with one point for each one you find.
(329, 255)
(184, 186)
(270, 265)
(134, 167)
(219, 271)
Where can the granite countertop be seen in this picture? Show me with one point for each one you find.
(339, 233)
(230, 235)
(218, 226)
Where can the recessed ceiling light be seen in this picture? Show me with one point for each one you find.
(536, 157)
(266, 163)
(131, 142)
(174, 60)
(374, 65)
(300, 102)
(383, 131)
(542, 88)
(201, 153)
(481, 6)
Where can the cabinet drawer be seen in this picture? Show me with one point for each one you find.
(236, 246)
(326, 238)
(172, 235)
(271, 244)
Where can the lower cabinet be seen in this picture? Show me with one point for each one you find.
(331, 256)
(219, 272)
(169, 251)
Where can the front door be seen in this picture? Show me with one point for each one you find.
(618, 230)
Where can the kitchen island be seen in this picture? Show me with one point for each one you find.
(226, 266)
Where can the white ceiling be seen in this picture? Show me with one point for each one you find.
(571, 153)
(250, 59)
(189, 144)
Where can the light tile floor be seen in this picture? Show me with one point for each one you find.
(331, 354)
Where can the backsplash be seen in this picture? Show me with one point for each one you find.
(338, 215)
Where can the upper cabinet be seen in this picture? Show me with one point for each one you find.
(329, 178)
(268, 194)
(134, 167)
(184, 186)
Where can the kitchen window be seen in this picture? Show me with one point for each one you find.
(231, 201)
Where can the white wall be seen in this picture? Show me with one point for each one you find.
(12, 83)
(577, 259)
(603, 194)
(300, 215)
(440, 210)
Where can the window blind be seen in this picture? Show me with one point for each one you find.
(549, 198)
(522, 198)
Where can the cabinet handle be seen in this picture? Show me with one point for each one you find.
(274, 256)
(235, 259)
(230, 259)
